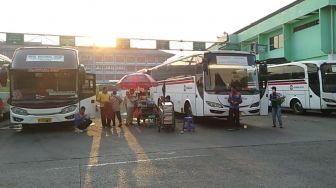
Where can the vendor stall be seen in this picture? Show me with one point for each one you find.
(145, 109)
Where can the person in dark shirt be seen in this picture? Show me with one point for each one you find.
(82, 120)
(234, 100)
(276, 100)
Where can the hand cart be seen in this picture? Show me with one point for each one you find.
(166, 116)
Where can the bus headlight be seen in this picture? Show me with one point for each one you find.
(19, 111)
(68, 109)
(255, 104)
(213, 104)
(329, 100)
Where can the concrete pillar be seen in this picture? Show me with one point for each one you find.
(327, 26)
(287, 33)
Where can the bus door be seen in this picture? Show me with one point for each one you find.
(263, 88)
(87, 94)
(314, 86)
(199, 102)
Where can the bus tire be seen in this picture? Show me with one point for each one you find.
(297, 107)
(26, 127)
(326, 112)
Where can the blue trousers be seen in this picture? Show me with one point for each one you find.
(276, 113)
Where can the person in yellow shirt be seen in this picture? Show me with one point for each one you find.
(103, 98)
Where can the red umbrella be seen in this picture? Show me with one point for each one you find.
(137, 80)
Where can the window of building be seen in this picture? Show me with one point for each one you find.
(99, 58)
(120, 59)
(108, 58)
(130, 69)
(307, 25)
(276, 42)
(130, 59)
(141, 60)
(151, 59)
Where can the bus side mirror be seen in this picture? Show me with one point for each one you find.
(3, 76)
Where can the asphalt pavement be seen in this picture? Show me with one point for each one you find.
(302, 154)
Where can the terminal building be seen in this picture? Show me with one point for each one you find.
(113, 63)
(106, 62)
(302, 30)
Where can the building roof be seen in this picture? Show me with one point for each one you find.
(269, 16)
(125, 51)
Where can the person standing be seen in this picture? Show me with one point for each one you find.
(276, 100)
(103, 98)
(82, 120)
(234, 100)
(116, 101)
(129, 102)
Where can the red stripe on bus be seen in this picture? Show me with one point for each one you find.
(287, 83)
(178, 82)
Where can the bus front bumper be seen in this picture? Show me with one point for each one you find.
(35, 119)
(224, 112)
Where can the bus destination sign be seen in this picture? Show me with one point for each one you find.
(45, 58)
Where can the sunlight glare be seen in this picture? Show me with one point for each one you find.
(104, 40)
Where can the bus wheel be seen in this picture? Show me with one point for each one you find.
(297, 107)
(26, 127)
(326, 112)
(187, 110)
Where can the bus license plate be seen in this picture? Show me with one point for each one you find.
(44, 120)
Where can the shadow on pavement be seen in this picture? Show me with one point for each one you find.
(49, 128)
(310, 113)
(210, 123)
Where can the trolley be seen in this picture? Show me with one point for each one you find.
(166, 118)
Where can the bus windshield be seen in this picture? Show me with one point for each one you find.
(329, 77)
(221, 77)
(43, 85)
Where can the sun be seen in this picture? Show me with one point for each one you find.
(104, 40)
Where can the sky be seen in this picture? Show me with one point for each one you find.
(197, 20)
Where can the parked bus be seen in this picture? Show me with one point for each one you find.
(307, 85)
(199, 84)
(4, 86)
(48, 85)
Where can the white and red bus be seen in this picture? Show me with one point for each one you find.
(307, 85)
(199, 84)
(48, 85)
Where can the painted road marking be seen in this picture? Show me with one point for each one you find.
(131, 162)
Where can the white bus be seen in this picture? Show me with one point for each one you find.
(307, 85)
(48, 85)
(199, 84)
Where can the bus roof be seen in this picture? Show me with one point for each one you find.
(45, 58)
(198, 53)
